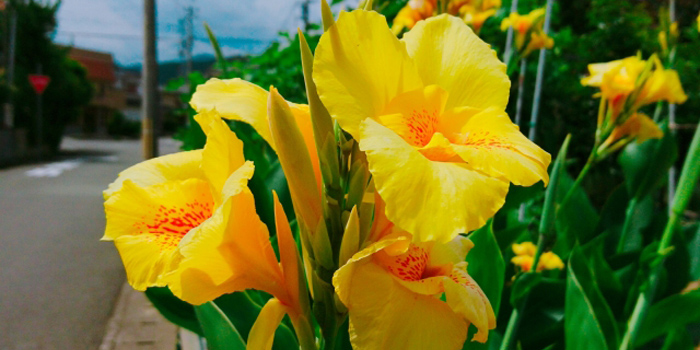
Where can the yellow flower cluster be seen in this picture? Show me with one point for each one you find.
(529, 35)
(625, 86)
(473, 12)
(525, 256)
(428, 114)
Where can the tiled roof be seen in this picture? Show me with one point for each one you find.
(99, 65)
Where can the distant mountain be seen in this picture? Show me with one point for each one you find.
(172, 69)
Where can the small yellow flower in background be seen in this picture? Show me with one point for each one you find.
(529, 35)
(474, 12)
(414, 11)
(618, 79)
(638, 126)
(525, 255)
(392, 290)
(698, 20)
(188, 221)
(429, 111)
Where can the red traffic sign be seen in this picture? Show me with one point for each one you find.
(39, 82)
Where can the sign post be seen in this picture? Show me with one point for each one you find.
(39, 83)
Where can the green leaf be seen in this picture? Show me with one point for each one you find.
(217, 50)
(220, 333)
(242, 309)
(589, 322)
(646, 165)
(522, 287)
(671, 313)
(486, 264)
(576, 220)
(173, 309)
(693, 246)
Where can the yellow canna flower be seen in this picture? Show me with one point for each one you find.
(525, 255)
(662, 85)
(618, 79)
(663, 41)
(414, 11)
(474, 12)
(698, 20)
(240, 100)
(428, 110)
(188, 221)
(523, 25)
(392, 290)
(538, 40)
(638, 126)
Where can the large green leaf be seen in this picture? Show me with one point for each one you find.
(242, 309)
(487, 267)
(693, 246)
(220, 333)
(486, 264)
(589, 322)
(646, 164)
(671, 313)
(576, 220)
(173, 309)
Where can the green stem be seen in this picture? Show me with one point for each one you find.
(579, 179)
(647, 296)
(515, 317)
(631, 207)
(513, 324)
(686, 186)
(305, 334)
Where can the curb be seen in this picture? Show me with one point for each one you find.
(136, 324)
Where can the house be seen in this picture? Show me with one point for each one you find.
(107, 97)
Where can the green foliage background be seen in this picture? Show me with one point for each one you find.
(69, 89)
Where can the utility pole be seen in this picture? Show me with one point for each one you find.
(149, 82)
(187, 42)
(9, 106)
(305, 14)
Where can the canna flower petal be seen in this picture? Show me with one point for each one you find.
(359, 66)
(446, 190)
(525, 256)
(240, 100)
(490, 143)
(470, 71)
(199, 236)
(171, 167)
(638, 126)
(262, 333)
(221, 155)
(147, 224)
(392, 290)
(413, 111)
(662, 85)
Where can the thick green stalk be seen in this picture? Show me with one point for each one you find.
(579, 179)
(546, 236)
(686, 185)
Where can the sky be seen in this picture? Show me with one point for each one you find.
(116, 26)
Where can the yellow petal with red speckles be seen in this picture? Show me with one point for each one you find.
(432, 200)
(490, 143)
(147, 225)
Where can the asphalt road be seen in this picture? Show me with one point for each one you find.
(58, 282)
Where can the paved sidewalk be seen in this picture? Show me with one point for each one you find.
(137, 325)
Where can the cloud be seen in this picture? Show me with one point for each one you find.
(116, 26)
